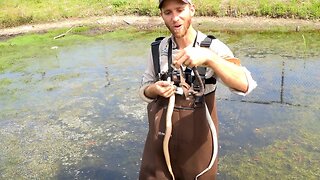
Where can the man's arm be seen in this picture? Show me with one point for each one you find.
(159, 88)
(232, 75)
(150, 89)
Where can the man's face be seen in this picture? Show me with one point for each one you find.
(177, 16)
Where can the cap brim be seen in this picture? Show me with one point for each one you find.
(161, 3)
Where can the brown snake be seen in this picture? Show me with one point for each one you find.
(187, 91)
(170, 109)
(168, 133)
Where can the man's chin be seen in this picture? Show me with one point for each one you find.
(177, 34)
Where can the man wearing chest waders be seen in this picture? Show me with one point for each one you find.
(179, 84)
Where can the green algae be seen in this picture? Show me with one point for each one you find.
(289, 159)
(294, 156)
(15, 51)
(4, 83)
(36, 147)
(64, 77)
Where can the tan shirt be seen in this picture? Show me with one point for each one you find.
(216, 46)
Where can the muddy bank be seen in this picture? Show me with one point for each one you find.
(149, 23)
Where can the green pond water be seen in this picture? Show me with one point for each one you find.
(73, 112)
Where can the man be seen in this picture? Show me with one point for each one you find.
(190, 144)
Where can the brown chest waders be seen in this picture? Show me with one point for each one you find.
(190, 146)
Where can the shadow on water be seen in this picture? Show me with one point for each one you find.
(77, 114)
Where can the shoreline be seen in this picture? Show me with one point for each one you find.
(148, 23)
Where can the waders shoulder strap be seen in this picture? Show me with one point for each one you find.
(202, 70)
(206, 44)
(207, 41)
(155, 55)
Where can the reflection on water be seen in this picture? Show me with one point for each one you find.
(78, 115)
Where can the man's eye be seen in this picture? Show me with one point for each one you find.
(167, 12)
(180, 9)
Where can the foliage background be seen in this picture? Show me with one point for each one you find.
(19, 12)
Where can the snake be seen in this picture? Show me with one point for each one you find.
(168, 130)
(189, 91)
(168, 133)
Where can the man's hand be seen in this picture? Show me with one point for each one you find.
(229, 71)
(160, 88)
(192, 57)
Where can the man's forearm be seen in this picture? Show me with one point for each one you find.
(149, 91)
(231, 74)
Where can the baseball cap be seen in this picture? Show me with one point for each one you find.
(161, 2)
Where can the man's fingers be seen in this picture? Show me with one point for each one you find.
(178, 55)
(169, 91)
(187, 62)
(178, 58)
(163, 83)
(181, 61)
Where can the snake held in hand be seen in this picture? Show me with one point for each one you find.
(168, 133)
(169, 127)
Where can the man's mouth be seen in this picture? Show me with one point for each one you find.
(177, 26)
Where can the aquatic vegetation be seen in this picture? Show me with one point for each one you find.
(5, 82)
(271, 43)
(64, 77)
(42, 144)
(290, 156)
(287, 159)
(15, 51)
(4, 88)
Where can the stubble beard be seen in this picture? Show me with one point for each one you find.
(181, 32)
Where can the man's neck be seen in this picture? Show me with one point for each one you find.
(186, 40)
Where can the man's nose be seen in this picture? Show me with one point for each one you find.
(176, 17)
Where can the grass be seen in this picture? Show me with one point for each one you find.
(19, 12)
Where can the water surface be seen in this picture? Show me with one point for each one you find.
(77, 115)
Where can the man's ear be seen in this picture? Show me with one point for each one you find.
(192, 9)
(160, 13)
